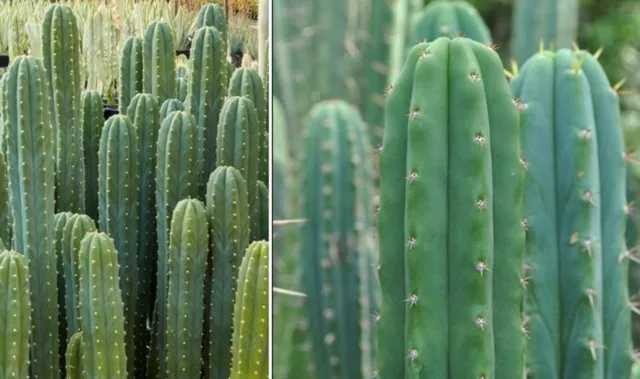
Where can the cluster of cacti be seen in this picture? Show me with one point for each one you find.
(125, 281)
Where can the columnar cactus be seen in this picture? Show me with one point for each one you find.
(15, 317)
(213, 15)
(101, 309)
(177, 174)
(439, 162)
(119, 171)
(238, 145)
(449, 19)
(246, 82)
(145, 114)
(74, 357)
(169, 106)
(131, 75)
(31, 154)
(159, 61)
(337, 190)
(188, 251)
(551, 22)
(60, 220)
(262, 218)
(228, 212)
(207, 90)
(575, 202)
(61, 50)
(5, 205)
(92, 123)
(250, 348)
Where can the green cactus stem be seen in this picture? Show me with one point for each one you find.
(6, 229)
(60, 219)
(449, 19)
(262, 218)
(131, 73)
(92, 122)
(169, 106)
(159, 61)
(74, 357)
(213, 15)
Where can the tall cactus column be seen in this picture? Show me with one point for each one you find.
(119, 183)
(93, 121)
(213, 15)
(159, 63)
(131, 72)
(62, 59)
(30, 152)
(450, 148)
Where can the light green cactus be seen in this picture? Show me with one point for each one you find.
(74, 357)
(131, 72)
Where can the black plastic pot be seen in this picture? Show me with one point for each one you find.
(109, 111)
(4, 61)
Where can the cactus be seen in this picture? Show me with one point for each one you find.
(262, 214)
(228, 212)
(450, 19)
(119, 182)
(550, 22)
(15, 318)
(74, 357)
(60, 219)
(207, 89)
(131, 75)
(5, 205)
(213, 15)
(101, 308)
(188, 250)
(169, 106)
(337, 191)
(246, 82)
(575, 203)
(61, 50)
(159, 61)
(30, 152)
(177, 174)
(93, 121)
(250, 348)
(182, 89)
(438, 161)
(238, 145)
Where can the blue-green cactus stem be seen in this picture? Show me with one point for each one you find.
(131, 76)
(15, 316)
(119, 182)
(449, 19)
(62, 59)
(213, 15)
(102, 309)
(228, 212)
(92, 123)
(31, 155)
(159, 63)
(60, 220)
(188, 251)
(169, 106)
(74, 357)
(6, 228)
(263, 212)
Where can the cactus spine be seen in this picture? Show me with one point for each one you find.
(159, 61)
(169, 106)
(250, 349)
(450, 19)
(131, 77)
(119, 182)
(101, 309)
(576, 258)
(551, 22)
(213, 15)
(333, 238)
(438, 161)
(74, 357)
(177, 174)
(246, 82)
(228, 212)
(188, 250)
(207, 88)
(15, 317)
(31, 153)
(93, 120)
(61, 50)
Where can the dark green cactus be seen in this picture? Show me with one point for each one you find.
(250, 348)
(449, 19)
(60, 219)
(262, 232)
(62, 59)
(188, 251)
(228, 212)
(177, 174)
(337, 187)
(207, 90)
(159, 63)
(213, 15)
(439, 162)
(246, 82)
(238, 145)
(93, 121)
(169, 106)
(131, 75)
(182, 89)
(15, 317)
(31, 154)
(74, 357)
(548, 22)
(6, 229)
(119, 182)
(575, 203)
(101, 309)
